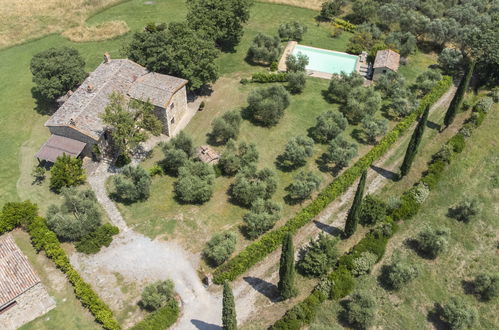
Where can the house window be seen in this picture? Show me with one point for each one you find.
(172, 105)
(172, 121)
(8, 306)
(384, 71)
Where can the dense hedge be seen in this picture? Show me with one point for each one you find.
(344, 25)
(268, 242)
(266, 77)
(94, 241)
(162, 318)
(44, 239)
(340, 282)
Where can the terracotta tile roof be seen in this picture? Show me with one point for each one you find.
(57, 145)
(83, 108)
(16, 274)
(387, 58)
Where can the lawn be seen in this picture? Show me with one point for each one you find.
(472, 247)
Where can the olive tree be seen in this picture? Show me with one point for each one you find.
(195, 183)
(251, 185)
(296, 63)
(237, 157)
(328, 125)
(398, 274)
(458, 314)
(296, 152)
(292, 31)
(132, 184)
(157, 295)
(303, 185)
(266, 105)
(374, 127)
(486, 285)
(360, 310)
(264, 214)
(433, 242)
(225, 127)
(340, 152)
(220, 247)
(264, 49)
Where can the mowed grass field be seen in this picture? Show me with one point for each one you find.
(472, 247)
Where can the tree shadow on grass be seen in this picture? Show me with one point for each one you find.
(342, 316)
(268, 289)
(201, 325)
(358, 135)
(331, 230)
(42, 105)
(325, 167)
(385, 173)
(433, 317)
(412, 244)
(432, 125)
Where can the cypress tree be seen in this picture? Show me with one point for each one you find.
(457, 100)
(413, 146)
(286, 283)
(353, 214)
(229, 321)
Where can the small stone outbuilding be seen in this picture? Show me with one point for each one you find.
(385, 60)
(207, 154)
(22, 296)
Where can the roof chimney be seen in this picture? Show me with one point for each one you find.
(107, 57)
(90, 88)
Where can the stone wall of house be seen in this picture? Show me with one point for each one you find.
(177, 108)
(31, 304)
(74, 134)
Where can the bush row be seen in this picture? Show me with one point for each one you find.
(271, 240)
(162, 318)
(344, 25)
(267, 77)
(44, 239)
(339, 283)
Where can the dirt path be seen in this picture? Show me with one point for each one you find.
(261, 280)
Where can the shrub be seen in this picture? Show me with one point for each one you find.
(495, 94)
(296, 82)
(433, 242)
(360, 311)
(374, 128)
(156, 170)
(251, 185)
(264, 49)
(487, 286)
(263, 216)
(132, 184)
(328, 125)
(195, 183)
(292, 31)
(177, 152)
(331, 8)
(341, 85)
(451, 61)
(363, 264)
(122, 160)
(67, 171)
(16, 214)
(345, 25)
(266, 77)
(78, 215)
(426, 81)
(361, 102)
(342, 283)
(157, 295)
(466, 210)
(397, 275)
(372, 211)
(458, 315)
(296, 152)
(38, 174)
(443, 155)
(267, 105)
(340, 152)
(303, 185)
(319, 256)
(165, 317)
(457, 143)
(484, 104)
(220, 247)
(226, 127)
(420, 192)
(92, 242)
(296, 63)
(235, 158)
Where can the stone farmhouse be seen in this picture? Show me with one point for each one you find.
(22, 296)
(385, 60)
(77, 125)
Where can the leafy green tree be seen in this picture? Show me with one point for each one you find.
(341, 85)
(374, 128)
(57, 71)
(177, 152)
(16, 214)
(296, 82)
(340, 152)
(92, 242)
(195, 183)
(403, 105)
(219, 20)
(353, 213)
(38, 174)
(360, 310)
(433, 242)
(266, 105)
(263, 216)
(251, 185)
(391, 84)
(225, 127)
(362, 40)
(264, 49)
(328, 126)
(363, 10)
(296, 152)
(286, 285)
(361, 102)
(450, 60)
(372, 211)
(486, 285)
(413, 146)
(457, 100)
(77, 216)
(296, 63)
(132, 184)
(229, 320)
(303, 185)
(237, 157)
(331, 8)
(67, 171)
(220, 247)
(467, 210)
(398, 274)
(175, 50)
(157, 295)
(292, 31)
(426, 81)
(458, 314)
(319, 257)
(129, 121)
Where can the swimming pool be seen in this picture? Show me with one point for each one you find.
(327, 61)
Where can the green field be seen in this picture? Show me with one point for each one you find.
(472, 248)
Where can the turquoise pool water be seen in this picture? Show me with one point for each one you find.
(327, 61)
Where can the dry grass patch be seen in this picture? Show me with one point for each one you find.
(310, 4)
(99, 32)
(28, 19)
